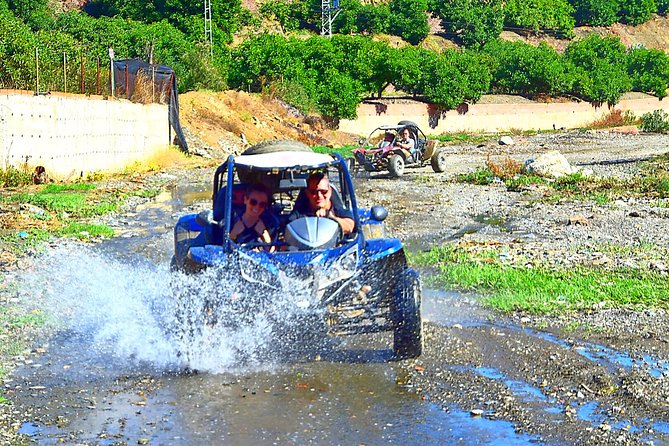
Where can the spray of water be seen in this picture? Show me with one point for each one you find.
(212, 321)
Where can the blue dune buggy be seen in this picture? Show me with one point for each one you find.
(360, 281)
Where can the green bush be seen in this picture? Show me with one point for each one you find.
(662, 7)
(649, 70)
(600, 68)
(656, 122)
(408, 20)
(281, 11)
(536, 15)
(595, 12)
(473, 22)
(635, 12)
(521, 68)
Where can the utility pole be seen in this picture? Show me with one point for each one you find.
(208, 37)
(327, 7)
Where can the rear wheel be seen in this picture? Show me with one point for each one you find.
(408, 332)
(396, 166)
(438, 161)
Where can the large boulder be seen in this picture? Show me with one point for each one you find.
(550, 164)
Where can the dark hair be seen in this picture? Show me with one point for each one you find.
(316, 177)
(259, 187)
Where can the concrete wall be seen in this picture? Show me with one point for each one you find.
(483, 117)
(72, 135)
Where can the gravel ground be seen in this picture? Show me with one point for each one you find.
(598, 377)
(612, 361)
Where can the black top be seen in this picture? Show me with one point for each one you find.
(249, 234)
(303, 208)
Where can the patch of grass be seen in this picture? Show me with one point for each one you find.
(147, 193)
(426, 179)
(13, 322)
(482, 176)
(14, 244)
(85, 230)
(171, 156)
(522, 182)
(506, 169)
(344, 151)
(652, 183)
(643, 247)
(60, 199)
(58, 188)
(542, 290)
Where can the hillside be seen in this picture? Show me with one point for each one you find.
(218, 123)
(652, 34)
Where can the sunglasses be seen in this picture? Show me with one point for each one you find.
(254, 202)
(322, 192)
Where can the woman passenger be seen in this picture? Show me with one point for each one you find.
(249, 227)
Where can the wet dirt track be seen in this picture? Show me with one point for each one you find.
(483, 379)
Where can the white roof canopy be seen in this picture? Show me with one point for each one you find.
(283, 160)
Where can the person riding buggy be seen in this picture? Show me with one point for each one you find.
(408, 147)
(358, 278)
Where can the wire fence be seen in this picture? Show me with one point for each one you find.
(75, 72)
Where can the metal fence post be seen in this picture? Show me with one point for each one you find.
(64, 73)
(37, 70)
(111, 72)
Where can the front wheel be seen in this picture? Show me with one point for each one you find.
(396, 166)
(408, 331)
(438, 161)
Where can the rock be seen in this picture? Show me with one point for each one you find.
(506, 141)
(625, 129)
(552, 164)
(578, 220)
(31, 208)
(476, 412)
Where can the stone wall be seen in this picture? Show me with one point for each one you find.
(72, 135)
(486, 117)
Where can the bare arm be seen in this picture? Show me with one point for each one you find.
(347, 224)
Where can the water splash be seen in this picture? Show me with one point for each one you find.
(144, 313)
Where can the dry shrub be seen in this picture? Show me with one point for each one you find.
(615, 118)
(146, 92)
(505, 169)
(169, 157)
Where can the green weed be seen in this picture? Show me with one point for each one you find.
(58, 188)
(10, 176)
(344, 151)
(544, 290)
(74, 204)
(482, 176)
(85, 230)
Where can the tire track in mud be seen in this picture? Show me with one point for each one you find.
(561, 389)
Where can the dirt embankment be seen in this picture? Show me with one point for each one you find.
(227, 122)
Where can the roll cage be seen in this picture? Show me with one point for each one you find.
(378, 133)
(285, 181)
